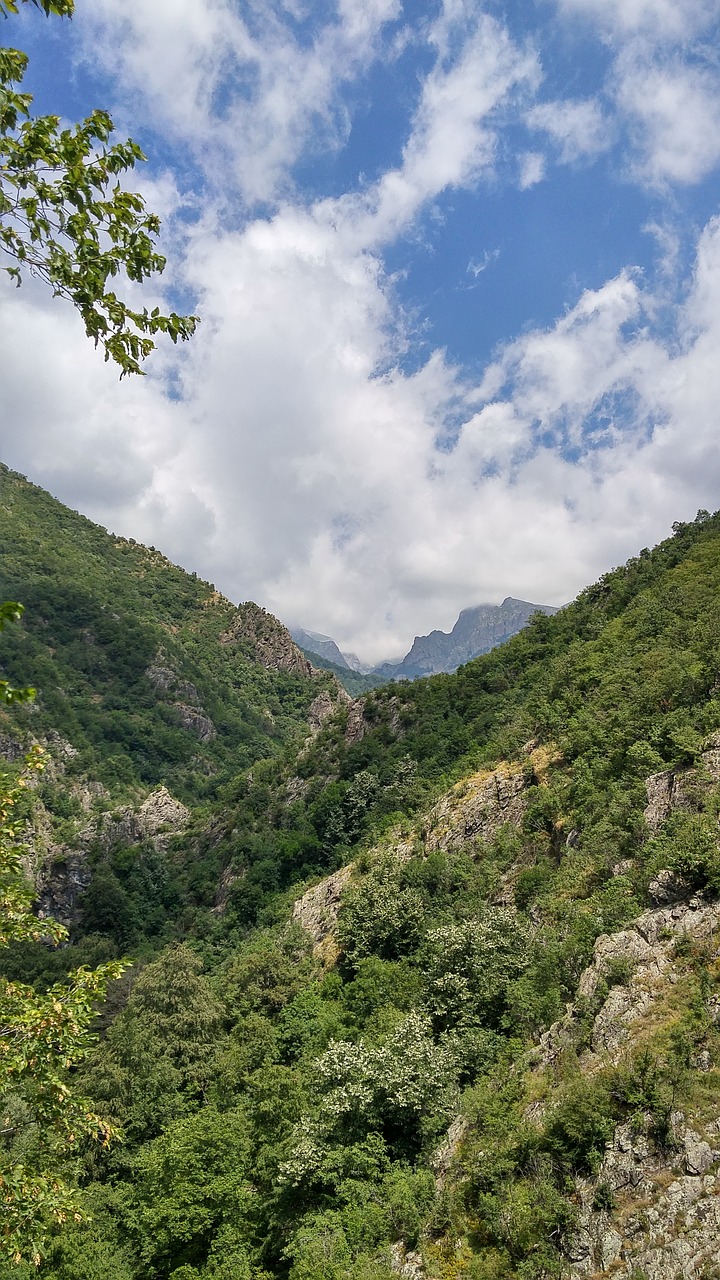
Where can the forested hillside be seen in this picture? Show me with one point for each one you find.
(433, 989)
(150, 673)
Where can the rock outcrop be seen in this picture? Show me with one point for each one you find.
(65, 872)
(666, 1221)
(268, 640)
(644, 956)
(317, 910)
(477, 807)
(675, 788)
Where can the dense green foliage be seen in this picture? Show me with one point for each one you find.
(42, 1036)
(283, 1106)
(101, 615)
(67, 218)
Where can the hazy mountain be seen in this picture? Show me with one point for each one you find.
(477, 630)
(325, 647)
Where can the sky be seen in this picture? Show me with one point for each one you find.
(457, 266)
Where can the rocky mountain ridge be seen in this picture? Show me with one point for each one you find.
(477, 631)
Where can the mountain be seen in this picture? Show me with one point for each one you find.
(424, 986)
(353, 681)
(149, 672)
(477, 631)
(325, 647)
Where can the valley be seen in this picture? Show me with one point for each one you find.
(421, 983)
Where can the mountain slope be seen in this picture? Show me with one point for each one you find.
(476, 631)
(147, 671)
(326, 648)
(458, 1018)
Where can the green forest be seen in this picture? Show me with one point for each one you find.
(323, 1050)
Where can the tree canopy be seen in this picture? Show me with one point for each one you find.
(66, 217)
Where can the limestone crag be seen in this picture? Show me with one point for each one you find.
(326, 704)
(269, 641)
(477, 808)
(195, 721)
(65, 870)
(674, 788)
(666, 1221)
(645, 952)
(317, 910)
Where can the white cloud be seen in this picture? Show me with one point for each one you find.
(245, 93)
(302, 466)
(532, 169)
(296, 475)
(673, 113)
(662, 87)
(578, 127)
(660, 19)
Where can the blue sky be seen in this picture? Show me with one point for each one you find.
(458, 269)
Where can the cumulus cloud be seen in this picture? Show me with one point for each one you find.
(662, 88)
(302, 465)
(673, 113)
(245, 92)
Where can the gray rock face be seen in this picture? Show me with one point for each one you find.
(477, 808)
(270, 642)
(671, 789)
(477, 630)
(61, 883)
(664, 793)
(670, 1225)
(66, 872)
(324, 705)
(317, 910)
(668, 887)
(405, 1262)
(10, 749)
(162, 812)
(196, 722)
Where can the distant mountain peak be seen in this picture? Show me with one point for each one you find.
(478, 629)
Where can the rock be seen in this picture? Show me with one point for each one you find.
(357, 725)
(667, 886)
(60, 885)
(698, 1154)
(162, 812)
(196, 722)
(317, 910)
(477, 808)
(664, 793)
(406, 1262)
(448, 1149)
(228, 879)
(610, 1245)
(161, 678)
(270, 642)
(10, 748)
(623, 868)
(325, 705)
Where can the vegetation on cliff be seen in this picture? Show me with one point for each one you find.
(370, 1087)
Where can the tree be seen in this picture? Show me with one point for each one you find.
(66, 218)
(42, 1037)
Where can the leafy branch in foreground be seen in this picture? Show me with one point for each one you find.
(66, 218)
